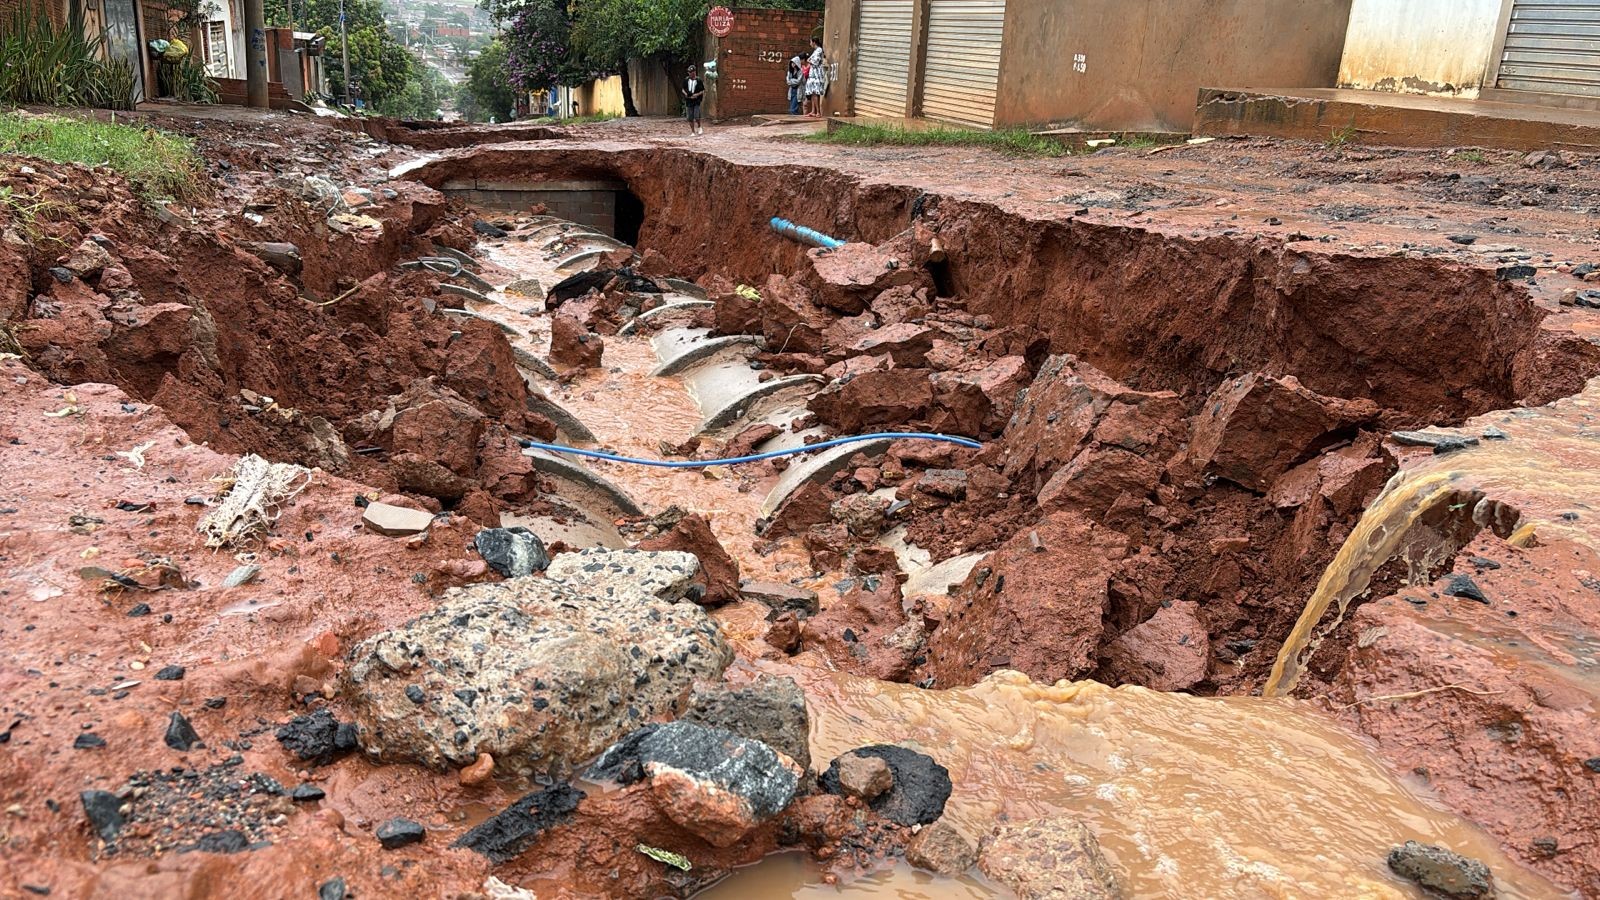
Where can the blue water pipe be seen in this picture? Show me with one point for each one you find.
(804, 234)
(754, 457)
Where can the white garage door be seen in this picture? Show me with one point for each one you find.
(883, 57)
(963, 60)
(1552, 46)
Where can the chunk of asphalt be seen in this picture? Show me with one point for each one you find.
(921, 785)
(171, 673)
(399, 832)
(318, 737)
(510, 831)
(180, 735)
(1442, 871)
(305, 793)
(1463, 586)
(104, 810)
(333, 889)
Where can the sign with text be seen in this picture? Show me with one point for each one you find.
(719, 21)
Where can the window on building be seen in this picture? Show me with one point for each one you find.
(217, 48)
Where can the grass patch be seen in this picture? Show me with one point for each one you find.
(1471, 156)
(1010, 141)
(156, 164)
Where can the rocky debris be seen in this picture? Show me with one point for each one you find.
(781, 597)
(788, 318)
(1439, 443)
(1462, 585)
(942, 849)
(1038, 605)
(87, 259)
(904, 343)
(874, 399)
(105, 812)
(714, 783)
(1442, 871)
(333, 889)
(866, 630)
(920, 788)
(538, 672)
(1256, 427)
(306, 793)
(317, 738)
(690, 533)
(864, 515)
(980, 402)
(863, 776)
(399, 832)
(1168, 652)
(1072, 405)
(488, 230)
(171, 673)
(395, 521)
(783, 632)
(180, 734)
(513, 552)
(572, 344)
(950, 484)
(847, 278)
(771, 710)
(1345, 479)
(280, 255)
(1049, 859)
(218, 809)
(507, 833)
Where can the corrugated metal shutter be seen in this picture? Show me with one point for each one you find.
(1552, 46)
(883, 57)
(963, 60)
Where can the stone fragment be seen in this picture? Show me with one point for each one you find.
(1461, 585)
(104, 810)
(180, 734)
(781, 597)
(280, 255)
(507, 833)
(905, 343)
(573, 345)
(691, 533)
(942, 849)
(87, 259)
(399, 832)
(317, 738)
(1071, 403)
(1049, 859)
(1168, 652)
(948, 483)
(1442, 871)
(541, 673)
(1256, 427)
(874, 399)
(771, 710)
(333, 889)
(920, 789)
(864, 515)
(712, 782)
(306, 793)
(513, 552)
(395, 521)
(863, 776)
(847, 278)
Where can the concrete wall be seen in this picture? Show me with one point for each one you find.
(1420, 46)
(839, 46)
(1137, 65)
(592, 203)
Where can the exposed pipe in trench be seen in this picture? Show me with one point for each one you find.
(755, 457)
(805, 235)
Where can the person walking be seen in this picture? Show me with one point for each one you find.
(816, 79)
(795, 79)
(694, 91)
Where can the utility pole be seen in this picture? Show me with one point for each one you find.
(255, 73)
(344, 52)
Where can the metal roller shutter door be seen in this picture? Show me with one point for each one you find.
(963, 60)
(1552, 46)
(883, 57)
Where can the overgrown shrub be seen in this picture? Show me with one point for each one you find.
(56, 65)
(157, 165)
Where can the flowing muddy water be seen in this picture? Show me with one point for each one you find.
(1238, 797)
(1537, 478)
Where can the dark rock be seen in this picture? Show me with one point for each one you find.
(104, 810)
(487, 230)
(1463, 586)
(171, 673)
(513, 552)
(1583, 269)
(781, 597)
(772, 711)
(139, 609)
(1441, 443)
(1515, 273)
(88, 740)
(514, 828)
(921, 786)
(230, 841)
(280, 255)
(305, 793)
(710, 781)
(1442, 871)
(398, 832)
(61, 274)
(180, 734)
(333, 889)
(1465, 240)
(318, 737)
(1592, 764)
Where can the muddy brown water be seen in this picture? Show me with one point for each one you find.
(1238, 797)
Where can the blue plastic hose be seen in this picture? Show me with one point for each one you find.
(755, 457)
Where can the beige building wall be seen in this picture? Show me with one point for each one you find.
(1441, 47)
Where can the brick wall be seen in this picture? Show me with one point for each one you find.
(752, 58)
(54, 8)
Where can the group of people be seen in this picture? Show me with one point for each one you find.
(807, 79)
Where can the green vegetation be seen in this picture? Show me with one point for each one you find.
(1471, 156)
(1011, 141)
(381, 69)
(57, 66)
(420, 97)
(486, 94)
(157, 165)
(1341, 136)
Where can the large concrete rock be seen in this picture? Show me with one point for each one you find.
(1049, 859)
(691, 533)
(771, 710)
(542, 673)
(1255, 427)
(716, 784)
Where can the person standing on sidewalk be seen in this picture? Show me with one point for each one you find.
(694, 91)
(816, 78)
(795, 79)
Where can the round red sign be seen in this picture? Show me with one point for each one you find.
(719, 21)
